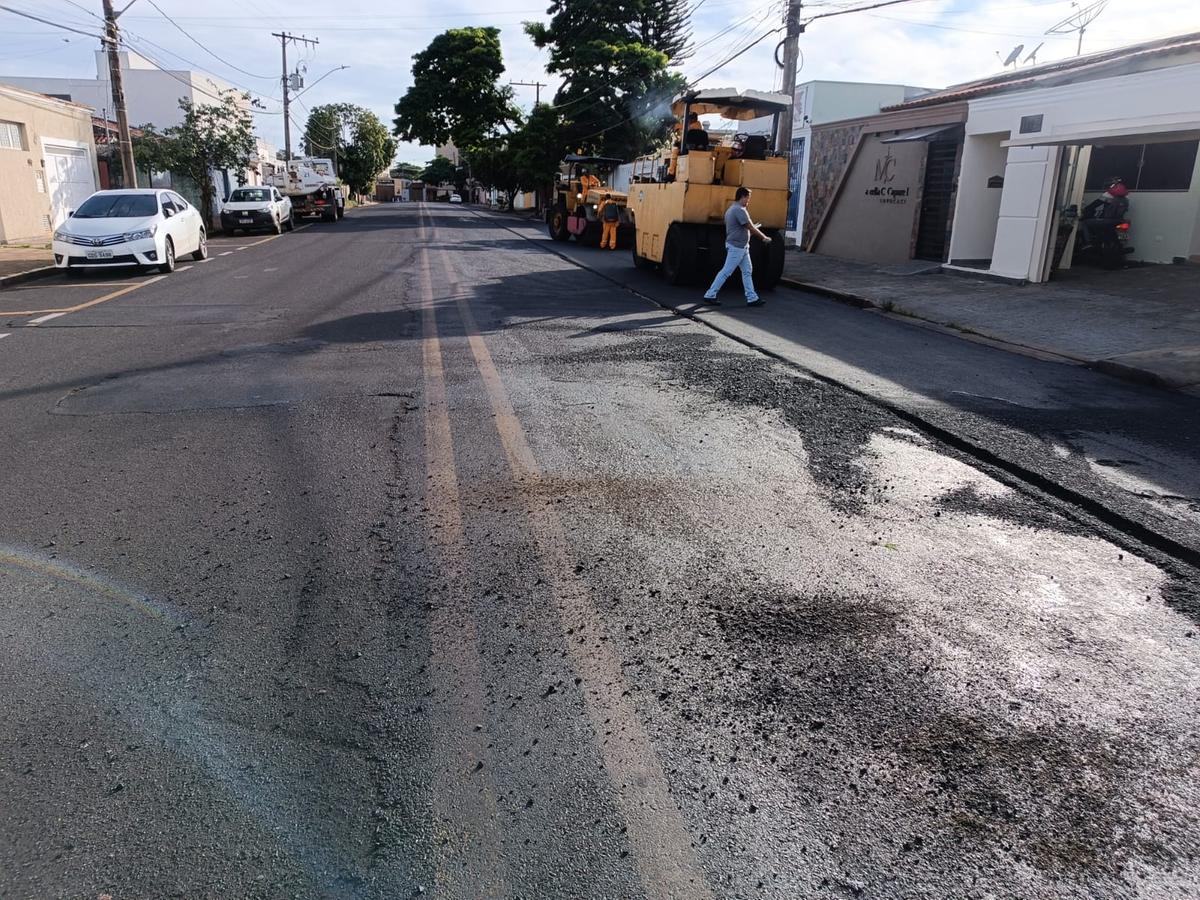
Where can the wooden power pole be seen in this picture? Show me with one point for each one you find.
(125, 142)
(791, 54)
(284, 39)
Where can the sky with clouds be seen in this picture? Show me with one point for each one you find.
(930, 43)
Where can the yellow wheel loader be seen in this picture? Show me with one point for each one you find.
(678, 197)
(577, 196)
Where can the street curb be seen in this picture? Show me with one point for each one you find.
(1143, 377)
(29, 275)
(833, 293)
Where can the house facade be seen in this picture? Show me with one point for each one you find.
(818, 102)
(986, 176)
(47, 163)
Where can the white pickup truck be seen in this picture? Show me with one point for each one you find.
(257, 207)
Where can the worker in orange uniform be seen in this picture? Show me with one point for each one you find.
(588, 182)
(609, 213)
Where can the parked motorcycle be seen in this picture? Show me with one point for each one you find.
(1102, 235)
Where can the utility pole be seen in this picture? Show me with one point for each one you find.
(284, 39)
(791, 54)
(125, 142)
(537, 89)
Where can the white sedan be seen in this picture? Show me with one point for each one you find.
(130, 228)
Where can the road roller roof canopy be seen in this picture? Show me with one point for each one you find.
(592, 160)
(729, 103)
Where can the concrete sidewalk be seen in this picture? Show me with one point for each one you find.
(1138, 323)
(18, 264)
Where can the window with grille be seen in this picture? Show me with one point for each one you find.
(11, 137)
(1143, 167)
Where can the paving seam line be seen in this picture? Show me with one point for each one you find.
(655, 828)
(460, 803)
(1024, 477)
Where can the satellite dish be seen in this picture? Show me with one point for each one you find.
(1032, 57)
(1078, 22)
(1012, 57)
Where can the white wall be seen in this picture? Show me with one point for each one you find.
(831, 101)
(977, 209)
(151, 95)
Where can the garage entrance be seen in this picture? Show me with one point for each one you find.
(69, 179)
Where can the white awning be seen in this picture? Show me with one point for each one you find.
(919, 134)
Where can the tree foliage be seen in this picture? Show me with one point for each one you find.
(664, 25)
(325, 132)
(354, 138)
(406, 170)
(615, 61)
(212, 136)
(456, 95)
(370, 152)
(538, 148)
(440, 171)
(492, 165)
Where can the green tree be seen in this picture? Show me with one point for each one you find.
(326, 128)
(370, 151)
(493, 165)
(210, 137)
(456, 95)
(664, 25)
(152, 152)
(537, 149)
(615, 62)
(439, 171)
(407, 170)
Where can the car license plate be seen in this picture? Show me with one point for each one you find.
(245, 221)
(99, 254)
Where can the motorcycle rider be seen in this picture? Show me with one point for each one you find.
(1100, 218)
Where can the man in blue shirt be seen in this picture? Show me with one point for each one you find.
(738, 228)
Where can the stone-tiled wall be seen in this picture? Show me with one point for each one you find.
(828, 156)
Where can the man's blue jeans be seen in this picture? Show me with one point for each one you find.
(735, 258)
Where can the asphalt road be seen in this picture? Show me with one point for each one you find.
(402, 557)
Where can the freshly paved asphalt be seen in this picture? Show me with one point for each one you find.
(401, 557)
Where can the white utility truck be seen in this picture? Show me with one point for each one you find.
(313, 187)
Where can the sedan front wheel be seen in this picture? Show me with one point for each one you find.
(168, 263)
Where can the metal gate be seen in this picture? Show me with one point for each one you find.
(936, 199)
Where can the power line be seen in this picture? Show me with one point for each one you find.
(747, 48)
(83, 8)
(17, 12)
(854, 9)
(205, 49)
(137, 42)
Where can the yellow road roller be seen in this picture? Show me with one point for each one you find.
(577, 197)
(678, 197)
